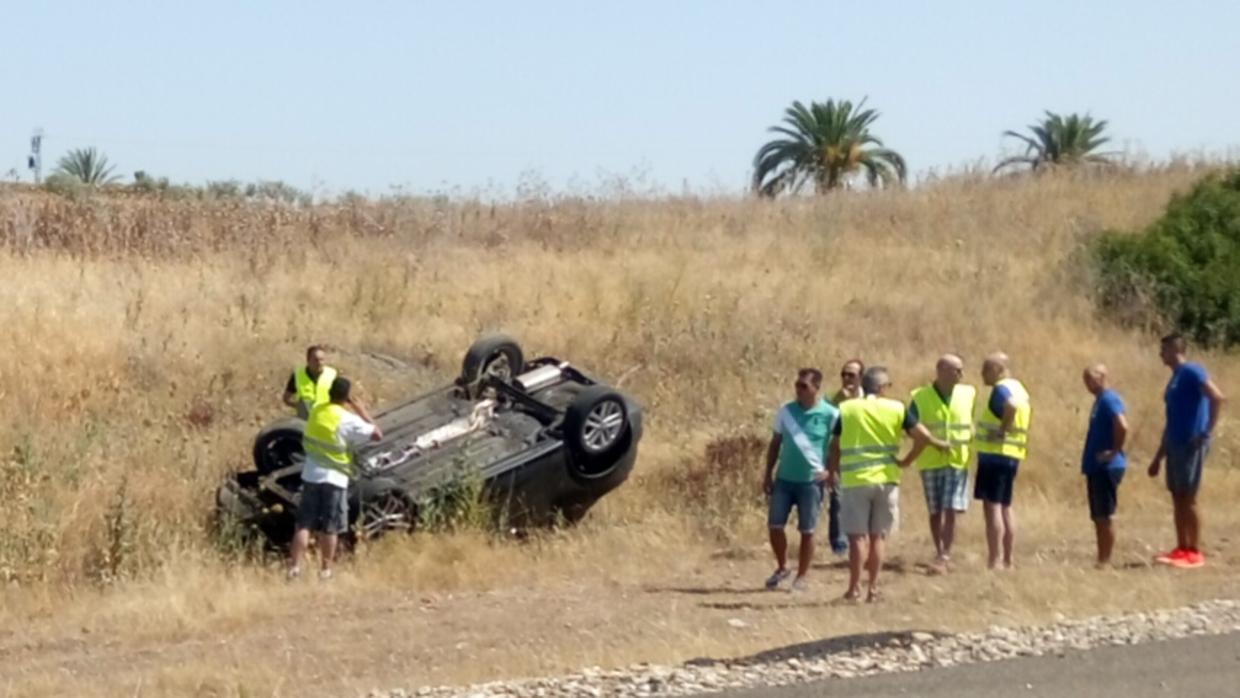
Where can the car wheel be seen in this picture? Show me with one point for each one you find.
(278, 447)
(387, 512)
(497, 357)
(597, 428)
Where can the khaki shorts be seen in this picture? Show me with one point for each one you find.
(869, 509)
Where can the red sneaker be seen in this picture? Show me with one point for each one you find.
(1191, 559)
(1172, 557)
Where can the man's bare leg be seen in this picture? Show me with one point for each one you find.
(301, 541)
(1009, 535)
(1106, 540)
(948, 532)
(936, 534)
(1188, 522)
(856, 556)
(327, 550)
(805, 555)
(994, 521)
(779, 546)
(874, 565)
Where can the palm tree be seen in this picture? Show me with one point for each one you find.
(826, 143)
(87, 166)
(1060, 140)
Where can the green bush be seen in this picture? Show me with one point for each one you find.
(1184, 267)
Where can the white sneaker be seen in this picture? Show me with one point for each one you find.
(325, 575)
(293, 573)
(799, 585)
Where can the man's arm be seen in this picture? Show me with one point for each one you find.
(921, 438)
(772, 457)
(1216, 398)
(1119, 434)
(290, 392)
(1009, 418)
(1156, 462)
(359, 408)
(833, 463)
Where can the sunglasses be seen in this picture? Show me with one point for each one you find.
(848, 374)
(802, 385)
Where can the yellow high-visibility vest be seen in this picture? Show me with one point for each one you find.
(313, 392)
(870, 435)
(321, 440)
(1014, 444)
(951, 421)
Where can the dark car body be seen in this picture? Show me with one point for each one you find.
(543, 440)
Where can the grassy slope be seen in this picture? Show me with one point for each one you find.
(147, 345)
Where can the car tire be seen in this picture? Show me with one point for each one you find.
(278, 445)
(598, 432)
(384, 512)
(497, 356)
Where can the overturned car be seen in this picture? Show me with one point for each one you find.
(544, 440)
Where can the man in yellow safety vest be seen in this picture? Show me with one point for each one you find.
(308, 385)
(863, 461)
(1001, 443)
(333, 431)
(945, 407)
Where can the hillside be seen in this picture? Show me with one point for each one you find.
(147, 340)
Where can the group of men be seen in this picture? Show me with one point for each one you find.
(846, 450)
(336, 423)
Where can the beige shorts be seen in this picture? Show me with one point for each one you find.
(869, 509)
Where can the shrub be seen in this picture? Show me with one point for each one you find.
(1183, 266)
(722, 487)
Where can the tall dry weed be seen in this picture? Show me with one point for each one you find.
(148, 340)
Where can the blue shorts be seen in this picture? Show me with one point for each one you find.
(1184, 465)
(806, 496)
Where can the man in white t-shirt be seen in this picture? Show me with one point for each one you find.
(333, 431)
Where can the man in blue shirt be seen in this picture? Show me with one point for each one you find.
(1193, 405)
(1103, 460)
(802, 431)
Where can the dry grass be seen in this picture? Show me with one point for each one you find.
(146, 341)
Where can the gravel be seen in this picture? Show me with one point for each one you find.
(907, 651)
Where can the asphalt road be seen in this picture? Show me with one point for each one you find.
(1200, 666)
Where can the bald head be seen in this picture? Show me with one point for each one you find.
(1095, 378)
(947, 372)
(995, 368)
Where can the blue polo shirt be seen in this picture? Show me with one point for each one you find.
(1101, 435)
(1188, 409)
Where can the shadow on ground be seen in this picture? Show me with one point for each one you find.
(817, 648)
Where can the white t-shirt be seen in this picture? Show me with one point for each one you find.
(353, 431)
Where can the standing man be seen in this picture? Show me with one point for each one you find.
(1002, 443)
(333, 431)
(1193, 405)
(1103, 460)
(850, 382)
(309, 384)
(799, 446)
(863, 461)
(945, 408)
(850, 389)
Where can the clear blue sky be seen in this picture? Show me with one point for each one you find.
(472, 94)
